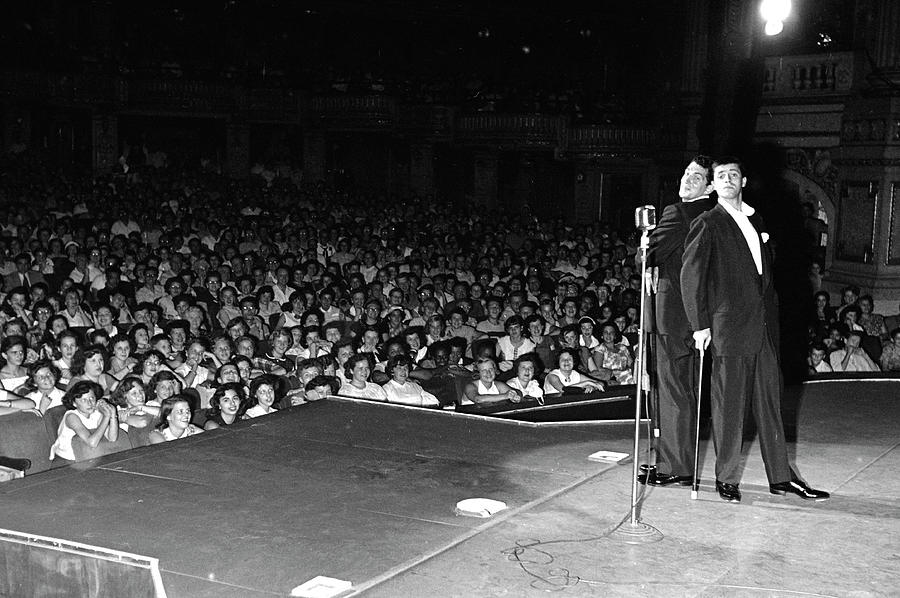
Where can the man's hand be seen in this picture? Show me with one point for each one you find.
(651, 280)
(702, 339)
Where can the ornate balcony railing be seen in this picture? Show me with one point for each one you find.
(354, 112)
(177, 94)
(810, 75)
(600, 137)
(531, 130)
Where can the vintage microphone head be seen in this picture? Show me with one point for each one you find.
(645, 218)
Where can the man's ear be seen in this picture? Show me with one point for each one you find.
(709, 189)
(743, 182)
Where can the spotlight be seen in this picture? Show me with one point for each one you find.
(526, 49)
(774, 13)
(774, 27)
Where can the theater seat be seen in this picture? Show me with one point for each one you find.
(83, 452)
(23, 436)
(52, 418)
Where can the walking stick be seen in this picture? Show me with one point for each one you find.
(695, 485)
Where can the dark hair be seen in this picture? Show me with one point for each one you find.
(533, 358)
(354, 359)
(723, 160)
(117, 397)
(39, 365)
(512, 321)
(214, 409)
(162, 376)
(267, 380)
(139, 366)
(79, 388)
(11, 341)
(82, 355)
(818, 346)
(168, 405)
(617, 334)
(132, 333)
(705, 162)
(330, 381)
(396, 361)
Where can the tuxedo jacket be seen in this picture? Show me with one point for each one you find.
(721, 288)
(665, 252)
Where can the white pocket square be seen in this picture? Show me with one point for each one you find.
(765, 237)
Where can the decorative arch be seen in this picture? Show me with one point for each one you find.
(811, 191)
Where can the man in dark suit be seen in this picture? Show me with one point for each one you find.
(24, 276)
(729, 297)
(675, 357)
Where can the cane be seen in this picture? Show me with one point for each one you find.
(695, 485)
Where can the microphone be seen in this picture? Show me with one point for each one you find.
(645, 218)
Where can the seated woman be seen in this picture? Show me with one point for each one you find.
(227, 406)
(514, 343)
(42, 388)
(162, 385)
(565, 378)
(613, 359)
(545, 345)
(174, 421)
(415, 339)
(89, 417)
(150, 363)
(121, 363)
(526, 366)
(139, 334)
(105, 319)
(66, 347)
(400, 389)
(263, 394)
(131, 401)
(89, 364)
(487, 389)
(13, 374)
(357, 370)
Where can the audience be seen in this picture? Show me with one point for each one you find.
(178, 302)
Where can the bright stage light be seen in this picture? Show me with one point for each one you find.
(774, 27)
(775, 10)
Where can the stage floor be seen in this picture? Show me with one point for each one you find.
(366, 493)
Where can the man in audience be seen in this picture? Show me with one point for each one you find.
(852, 358)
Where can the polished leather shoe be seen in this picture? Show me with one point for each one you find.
(729, 492)
(799, 488)
(662, 479)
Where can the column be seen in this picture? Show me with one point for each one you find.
(589, 200)
(104, 142)
(237, 149)
(314, 156)
(485, 178)
(421, 169)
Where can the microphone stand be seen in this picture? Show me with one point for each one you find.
(636, 531)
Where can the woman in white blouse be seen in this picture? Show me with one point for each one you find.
(400, 389)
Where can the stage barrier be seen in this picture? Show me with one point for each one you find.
(39, 567)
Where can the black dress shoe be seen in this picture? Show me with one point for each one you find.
(664, 479)
(729, 492)
(661, 479)
(797, 487)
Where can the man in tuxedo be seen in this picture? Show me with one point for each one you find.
(729, 297)
(24, 276)
(675, 358)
